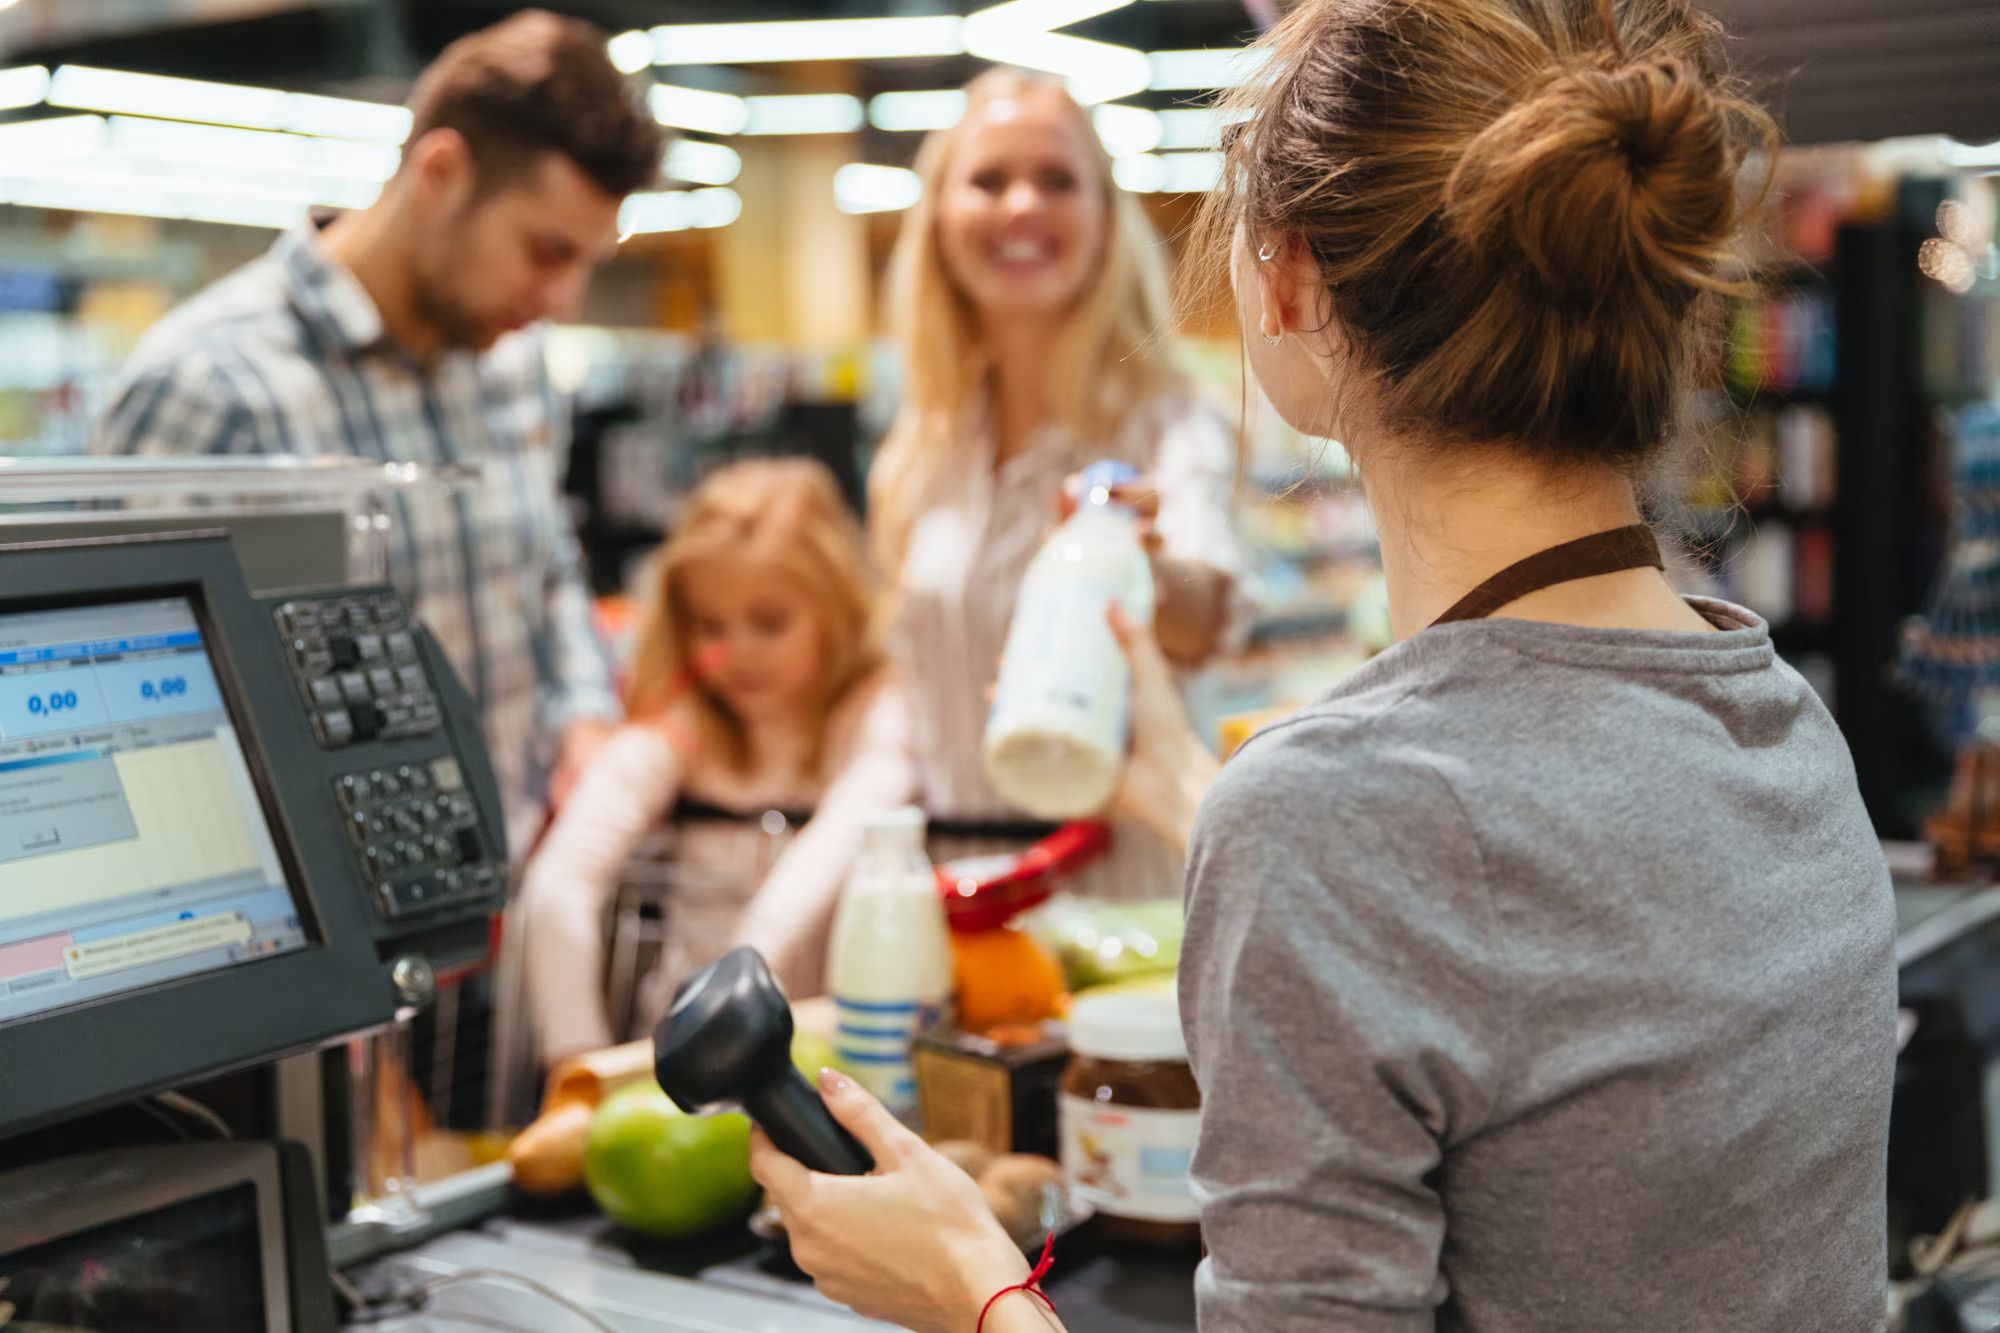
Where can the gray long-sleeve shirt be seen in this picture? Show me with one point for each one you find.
(1542, 979)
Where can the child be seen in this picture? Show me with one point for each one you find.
(757, 686)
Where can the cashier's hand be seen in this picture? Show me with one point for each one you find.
(912, 1244)
(1168, 769)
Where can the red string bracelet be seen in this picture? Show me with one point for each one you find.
(1032, 1286)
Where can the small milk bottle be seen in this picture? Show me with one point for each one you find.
(889, 966)
(1055, 738)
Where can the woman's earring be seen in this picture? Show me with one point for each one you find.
(1266, 252)
(1271, 339)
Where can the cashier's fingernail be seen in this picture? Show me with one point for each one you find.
(832, 1081)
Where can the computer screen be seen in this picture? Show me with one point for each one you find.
(133, 847)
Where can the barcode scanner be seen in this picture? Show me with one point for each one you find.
(727, 1044)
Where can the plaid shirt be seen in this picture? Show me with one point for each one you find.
(288, 355)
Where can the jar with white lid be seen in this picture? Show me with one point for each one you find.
(1130, 1112)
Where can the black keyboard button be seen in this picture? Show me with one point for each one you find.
(346, 653)
(367, 722)
(469, 846)
(336, 726)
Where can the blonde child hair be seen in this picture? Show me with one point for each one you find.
(788, 515)
(1109, 357)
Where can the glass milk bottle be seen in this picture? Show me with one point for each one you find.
(1055, 738)
(889, 966)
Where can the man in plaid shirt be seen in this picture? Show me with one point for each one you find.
(402, 332)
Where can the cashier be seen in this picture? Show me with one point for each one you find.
(1541, 976)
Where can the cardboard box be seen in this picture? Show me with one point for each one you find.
(996, 1091)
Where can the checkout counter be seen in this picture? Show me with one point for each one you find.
(245, 828)
(246, 822)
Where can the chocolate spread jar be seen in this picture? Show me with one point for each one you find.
(1129, 1113)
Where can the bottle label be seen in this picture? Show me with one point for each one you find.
(873, 1041)
(1130, 1161)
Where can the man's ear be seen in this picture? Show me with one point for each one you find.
(441, 167)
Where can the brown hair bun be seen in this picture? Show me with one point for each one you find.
(1519, 209)
(1604, 177)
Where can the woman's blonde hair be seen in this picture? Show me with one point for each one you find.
(783, 514)
(1109, 357)
(1521, 210)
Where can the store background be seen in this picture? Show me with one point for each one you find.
(1857, 420)
(741, 315)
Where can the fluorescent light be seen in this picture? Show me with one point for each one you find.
(1141, 174)
(1226, 67)
(258, 150)
(630, 52)
(939, 109)
(1094, 71)
(1127, 130)
(1958, 154)
(62, 137)
(1043, 15)
(1017, 33)
(703, 163)
(813, 39)
(677, 210)
(860, 187)
(697, 109)
(201, 200)
(805, 113)
(24, 85)
(120, 91)
(346, 118)
(1168, 173)
(175, 99)
(1195, 127)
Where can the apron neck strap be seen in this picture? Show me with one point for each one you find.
(1585, 558)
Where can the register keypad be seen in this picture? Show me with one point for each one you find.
(415, 830)
(357, 667)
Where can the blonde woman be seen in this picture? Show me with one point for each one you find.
(1029, 297)
(756, 687)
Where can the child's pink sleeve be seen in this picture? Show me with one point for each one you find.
(874, 768)
(569, 884)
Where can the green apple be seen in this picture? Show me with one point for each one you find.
(656, 1169)
(812, 1053)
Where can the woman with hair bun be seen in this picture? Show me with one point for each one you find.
(1540, 977)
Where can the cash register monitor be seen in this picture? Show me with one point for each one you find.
(175, 895)
(132, 845)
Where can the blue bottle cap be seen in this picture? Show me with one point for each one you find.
(1106, 475)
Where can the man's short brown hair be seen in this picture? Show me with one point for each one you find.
(538, 83)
